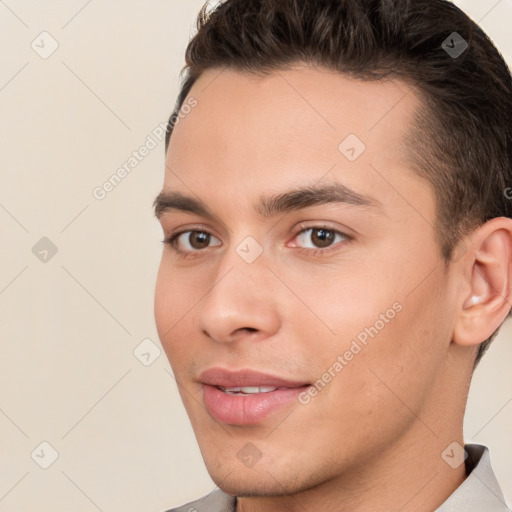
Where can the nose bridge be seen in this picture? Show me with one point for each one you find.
(240, 300)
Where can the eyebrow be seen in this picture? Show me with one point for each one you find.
(270, 206)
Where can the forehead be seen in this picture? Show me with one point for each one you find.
(300, 125)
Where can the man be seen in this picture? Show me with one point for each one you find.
(337, 252)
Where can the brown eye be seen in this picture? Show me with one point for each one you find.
(319, 238)
(199, 239)
(322, 237)
(192, 241)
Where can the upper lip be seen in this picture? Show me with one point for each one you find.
(225, 378)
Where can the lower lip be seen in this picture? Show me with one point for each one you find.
(247, 409)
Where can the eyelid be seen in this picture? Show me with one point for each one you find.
(305, 226)
(172, 240)
(185, 227)
(301, 228)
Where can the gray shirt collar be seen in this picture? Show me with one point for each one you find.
(480, 492)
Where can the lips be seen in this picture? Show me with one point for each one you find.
(246, 397)
(241, 378)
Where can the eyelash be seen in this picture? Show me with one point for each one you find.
(318, 251)
(172, 239)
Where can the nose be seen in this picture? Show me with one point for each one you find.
(241, 304)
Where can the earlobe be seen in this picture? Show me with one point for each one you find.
(486, 296)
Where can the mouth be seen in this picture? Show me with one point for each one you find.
(247, 397)
(249, 390)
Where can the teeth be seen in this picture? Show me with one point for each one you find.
(249, 390)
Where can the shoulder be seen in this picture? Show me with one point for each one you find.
(216, 501)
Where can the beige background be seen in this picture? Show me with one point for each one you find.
(69, 326)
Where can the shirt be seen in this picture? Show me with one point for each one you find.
(480, 491)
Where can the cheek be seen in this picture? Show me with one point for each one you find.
(164, 301)
(378, 320)
(175, 298)
(339, 301)
(400, 358)
(177, 292)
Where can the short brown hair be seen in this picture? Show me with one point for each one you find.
(462, 142)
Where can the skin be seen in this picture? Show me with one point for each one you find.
(373, 437)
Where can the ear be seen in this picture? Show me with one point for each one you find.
(485, 296)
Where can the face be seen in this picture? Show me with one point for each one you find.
(301, 289)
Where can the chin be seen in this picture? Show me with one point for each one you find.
(253, 486)
(263, 479)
